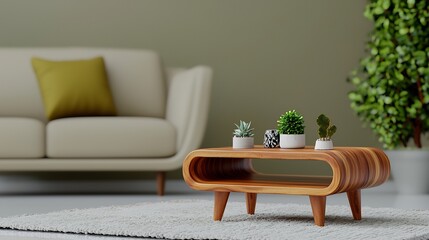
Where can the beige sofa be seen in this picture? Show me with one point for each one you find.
(162, 115)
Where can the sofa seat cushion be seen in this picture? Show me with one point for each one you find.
(21, 138)
(110, 137)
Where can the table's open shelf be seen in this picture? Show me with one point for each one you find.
(239, 172)
(289, 181)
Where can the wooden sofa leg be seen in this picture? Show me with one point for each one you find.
(160, 182)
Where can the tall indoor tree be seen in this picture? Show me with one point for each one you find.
(392, 83)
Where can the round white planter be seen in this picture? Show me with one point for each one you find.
(242, 142)
(292, 140)
(410, 170)
(324, 145)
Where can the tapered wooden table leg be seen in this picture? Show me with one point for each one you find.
(318, 205)
(251, 202)
(355, 203)
(221, 198)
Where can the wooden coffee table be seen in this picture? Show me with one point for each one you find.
(225, 170)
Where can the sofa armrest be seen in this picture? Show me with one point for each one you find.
(188, 106)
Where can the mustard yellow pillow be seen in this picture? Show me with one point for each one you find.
(74, 88)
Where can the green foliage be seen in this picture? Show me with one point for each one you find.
(331, 131)
(392, 83)
(243, 130)
(323, 132)
(291, 123)
(323, 123)
(326, 130)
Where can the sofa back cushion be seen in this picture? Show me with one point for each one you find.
(135, 78)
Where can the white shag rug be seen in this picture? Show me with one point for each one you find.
(192, 219)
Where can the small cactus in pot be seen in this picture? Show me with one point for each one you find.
(243, 135)
(326, 131)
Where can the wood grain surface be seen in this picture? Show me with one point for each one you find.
(225, 170)
(231, 170)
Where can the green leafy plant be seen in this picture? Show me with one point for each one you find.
(243, 130)
(326, 130)
(392, 83)
(291, 123)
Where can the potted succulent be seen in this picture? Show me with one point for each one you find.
(326, 130)
(392, 87)
(243, 135)
(291, 129)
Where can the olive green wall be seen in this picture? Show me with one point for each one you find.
(268, 56)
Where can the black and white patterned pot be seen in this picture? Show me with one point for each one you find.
(271, 138)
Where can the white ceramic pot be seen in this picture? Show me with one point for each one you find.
(242, 142)
(292, 140)
(324, 145)
(410, 170)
